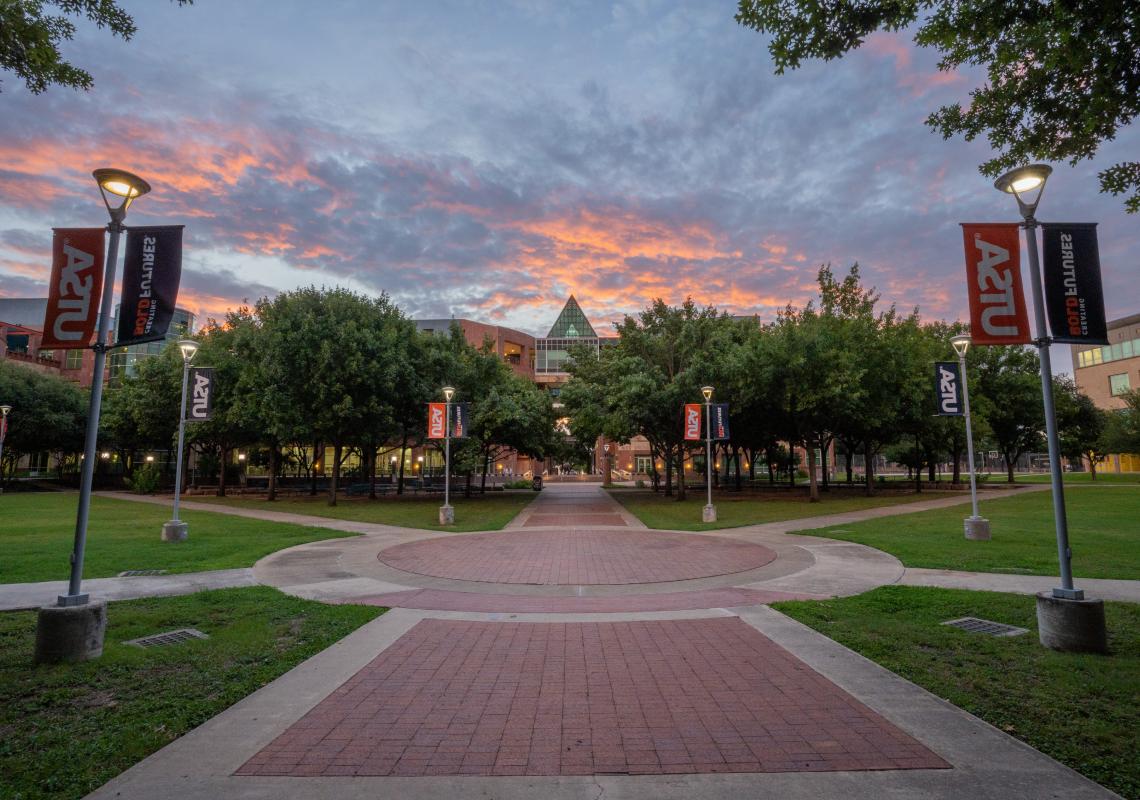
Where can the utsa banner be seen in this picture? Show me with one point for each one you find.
(76, 285)
(692, 421)
(201, 394)
(1074, 299)
(720, 421)
(437, 426)
(152, 269)
(993, 279)
(460, 420)
(947, 388)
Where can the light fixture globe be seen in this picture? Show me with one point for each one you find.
(119, 183)
(448, 393)
(189, 348)
(5, 409)
(1026, 184)
(707, 391)
(961, 344)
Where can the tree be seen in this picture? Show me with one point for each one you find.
(1062, 78)
(30, 39)
(141, 413)
(1080, 424)
(48, 413)
(1122, 427)
(1009, 397)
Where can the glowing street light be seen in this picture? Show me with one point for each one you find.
(976, 527)
(446, 512)
(709, 512)
(176, 530)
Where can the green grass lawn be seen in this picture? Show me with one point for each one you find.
(37, 531)
(1104, 534)
(478, 513)
(1082, 477)
(733, 511)
(65, 730)
(1079, 709)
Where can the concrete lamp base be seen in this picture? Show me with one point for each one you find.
(447, 515)
(977, 529)
(175, 531)
(708, 514)
(1071, 625)
(70, 633)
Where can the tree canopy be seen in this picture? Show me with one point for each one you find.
(1062, 78)
(30, 38)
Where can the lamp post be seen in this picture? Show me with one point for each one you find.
(607, 466)
(4, 411)
(708, 514)
(72, 630)
(976, 528)
(176, 530)
(446, 512)
(1065, 619)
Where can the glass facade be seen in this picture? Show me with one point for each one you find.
(571, 329)
(1109, 353)
(123, 361)
(1119, 384)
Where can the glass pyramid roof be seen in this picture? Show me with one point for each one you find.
(571, 323)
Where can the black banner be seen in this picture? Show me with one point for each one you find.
(152, 269)
(460, 420)
(201, 400)
(720, 421)
(948, 388)
(1073, 295)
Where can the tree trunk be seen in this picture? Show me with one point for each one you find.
(739, 474)
(313, 469)
(274, 457)
(483, 480)
(222, 470)
(403, 449)
(849, 463)
(917, 467)
(823, 465)
(1009, 468)
(869, 471)
(930, 467)
(813, 479)
(669, 473)
(957, 476)
(1092, 468)
(335, 480)
(370, 464)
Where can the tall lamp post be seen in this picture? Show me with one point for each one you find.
(4, 411)
(446, 512)
(976, 527)
(708, 514)
(1065, 619)
(72, 630)
(607, 466)
(176, 530)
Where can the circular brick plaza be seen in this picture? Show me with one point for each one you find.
(579, 557)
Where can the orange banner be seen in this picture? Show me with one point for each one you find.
(76, 285)
(437, 425)
(692, 421)
(993, 280)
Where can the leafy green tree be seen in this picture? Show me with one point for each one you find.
(48, 414)
(30, 38)
(1062, 78)
(1008, 396)
(141, 412)
(1122, 427)
(1080, 424)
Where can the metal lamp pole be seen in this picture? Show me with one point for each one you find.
(115, 183)
(709, 512)
(447, 513)
(976, 528)
(4, 411)
(607, 467)
(176, 530)
(1026, 179)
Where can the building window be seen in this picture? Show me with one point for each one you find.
(644, 464)
(1119, 384)
(1109, 353)
(73, 360)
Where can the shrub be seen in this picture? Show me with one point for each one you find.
(145, 480)
(519, 484)
(639, 483)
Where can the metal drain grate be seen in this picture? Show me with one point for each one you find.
(138, 573)
(169, 637)
(975, 625)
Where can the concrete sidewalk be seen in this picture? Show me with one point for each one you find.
(14, 596)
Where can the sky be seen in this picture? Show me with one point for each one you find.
(487, 159)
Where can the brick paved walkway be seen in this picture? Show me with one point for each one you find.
(679, 696)
(575, 557)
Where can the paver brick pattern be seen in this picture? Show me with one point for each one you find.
(568, 557)
(681, 696)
